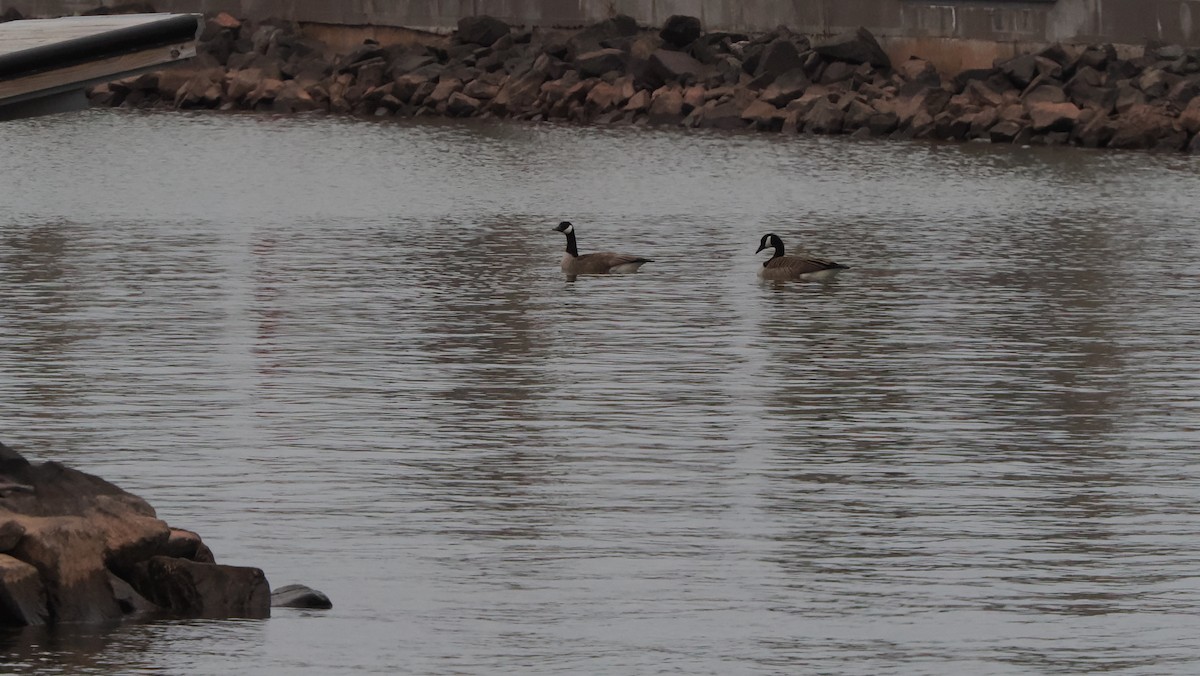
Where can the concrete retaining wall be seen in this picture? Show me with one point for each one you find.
(952, 33)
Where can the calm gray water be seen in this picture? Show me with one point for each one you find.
(343, 352)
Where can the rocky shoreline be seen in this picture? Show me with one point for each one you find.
(77, 549)
(613, 72)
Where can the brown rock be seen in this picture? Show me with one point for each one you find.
(1142, 126)
(666, 66)
(1048, 68)
(857, 115)
(693, 98)
(1155, 83)
(1184, 91)
(404, 86)
(441, 93)
(184, 544)
(241, 83)
(578, 92)
(1087, 90)
(1053, 117)
(666, 105)
(727, 115)
(805, 103)
(461, 105)
(778, 57)
(982, 94)
(224, 20)
(824, 118)
(604, 97)
(519, 93)
(206, 590)
(883, 122)
(1005, 131)
(293, 98)
(1011, 113)
(22, 596)
(1128, 97)
(266, 91)
(763, 115)
(1021, 70)
(679, 30)
(481, 88)
(838, 71)
(555, 91)
(481, 30)
(625, 86)
(1043, 93)
(170, 81)
(1189, 119)
(600, 61)
(11, 533)
(929, 100)
(639, 102)
(916, 69)
(370, 73)
(786, 88)
(983, 121)
(855, 47)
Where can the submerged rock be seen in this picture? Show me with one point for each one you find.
(299, 596)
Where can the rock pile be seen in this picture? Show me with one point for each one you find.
(612, 72)
(75, 548)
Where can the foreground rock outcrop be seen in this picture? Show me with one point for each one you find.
(614, 73)
(75, 548)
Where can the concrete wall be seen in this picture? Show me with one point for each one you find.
(952, 33)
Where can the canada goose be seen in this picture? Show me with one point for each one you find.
(601, 263)
(781, 267)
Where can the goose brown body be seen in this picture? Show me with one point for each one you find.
(782, 267)
(599, 263)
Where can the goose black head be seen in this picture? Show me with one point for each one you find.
(565, 228)
(771, 241)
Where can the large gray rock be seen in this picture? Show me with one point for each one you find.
(786, 88)
(520, 91)
(778, 57)
(824, 118)
(481, 30)
(858, 46)
(600, 61)
(679, 31)
(1085, 95)
(1021, 70)
(602, 34)
(665, 66)
(1097, 57)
